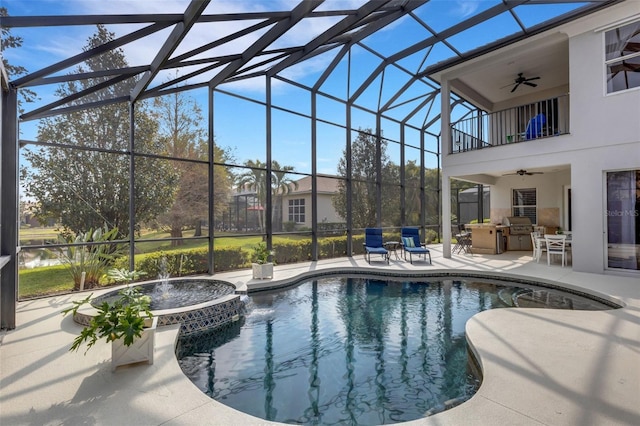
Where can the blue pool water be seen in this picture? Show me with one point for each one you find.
(354, 351)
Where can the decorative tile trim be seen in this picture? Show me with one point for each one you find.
(402, 275)
(191, 320)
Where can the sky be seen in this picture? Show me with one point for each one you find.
(46, 46)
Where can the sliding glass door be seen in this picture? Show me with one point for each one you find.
(623, 220)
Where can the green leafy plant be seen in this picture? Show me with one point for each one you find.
(86, 256)
(261, 254)
(120, 275)
(122, 318)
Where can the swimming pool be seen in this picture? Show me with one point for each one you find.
(354, 350)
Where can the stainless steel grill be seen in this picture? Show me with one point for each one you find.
(518, 225)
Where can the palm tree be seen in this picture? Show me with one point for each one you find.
(281, 185)
(254, 179)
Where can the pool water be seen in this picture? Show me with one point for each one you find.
(353, 351)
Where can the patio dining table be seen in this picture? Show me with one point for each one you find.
(543, 243)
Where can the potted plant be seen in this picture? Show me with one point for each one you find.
(127, 322)
(262, 261)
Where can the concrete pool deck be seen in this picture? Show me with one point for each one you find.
(540, 366)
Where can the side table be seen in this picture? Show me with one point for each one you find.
(392, 247)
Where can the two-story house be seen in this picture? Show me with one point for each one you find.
(556, 134)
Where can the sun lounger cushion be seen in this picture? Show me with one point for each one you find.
(408, 242)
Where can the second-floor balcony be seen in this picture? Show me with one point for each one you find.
(541, 119)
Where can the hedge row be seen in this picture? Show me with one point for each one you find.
(187, 261)
(195, 261)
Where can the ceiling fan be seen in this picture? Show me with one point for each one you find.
(523, 80)
(523, 172)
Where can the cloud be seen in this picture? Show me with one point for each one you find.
(60, 43)
(466, 8)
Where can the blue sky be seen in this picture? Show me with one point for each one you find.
(45, 46)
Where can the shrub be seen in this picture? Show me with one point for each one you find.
(92, 260)
(289, 226)
(187, 261)
(332, 247)
(292, 251)
(261, 255)
(430, 236)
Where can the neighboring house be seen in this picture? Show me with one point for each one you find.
(584, 148)
(297, 203)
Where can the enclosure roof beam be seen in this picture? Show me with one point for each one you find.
(128, 71)
(567, 17)
(74, 96)
(191, 15)
(221, 41)
(81, 57)
(297, 14)
(339, 28)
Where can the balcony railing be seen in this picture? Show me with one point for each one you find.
(537, 120)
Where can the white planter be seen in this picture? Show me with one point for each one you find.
(140, 350)
(262, 271)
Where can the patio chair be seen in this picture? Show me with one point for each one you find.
(534, 127)
(537, 245)
(373, 244)
(556, 245)
(411, 244)
(463, 239)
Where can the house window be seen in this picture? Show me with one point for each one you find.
(622, 57)
(296, 210)
(523, 204)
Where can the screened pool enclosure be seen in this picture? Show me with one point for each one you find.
(197, 131)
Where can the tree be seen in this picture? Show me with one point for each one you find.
(432, 186)
(364, 178)
(9, 41)
(412, 193)
(255, 179)
(180, 120)
(87, 187)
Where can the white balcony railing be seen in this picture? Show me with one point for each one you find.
(523, 123)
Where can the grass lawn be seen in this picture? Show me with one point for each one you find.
(56, 279)
(37, 235)
(44, 281)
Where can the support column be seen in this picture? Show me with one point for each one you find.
(445, 148)
(9, 210)
(268, 208)
(211, 176)
(314, 177)
(132, 187)
(446, 216)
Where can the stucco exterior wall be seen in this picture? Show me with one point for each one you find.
(549, 194)
(605, 128)
(325, 209)
(604, 136)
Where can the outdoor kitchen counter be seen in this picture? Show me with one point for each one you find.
(483, 237)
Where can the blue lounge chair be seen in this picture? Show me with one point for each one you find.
(373, 244)
(534, 127)
(411, 244)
